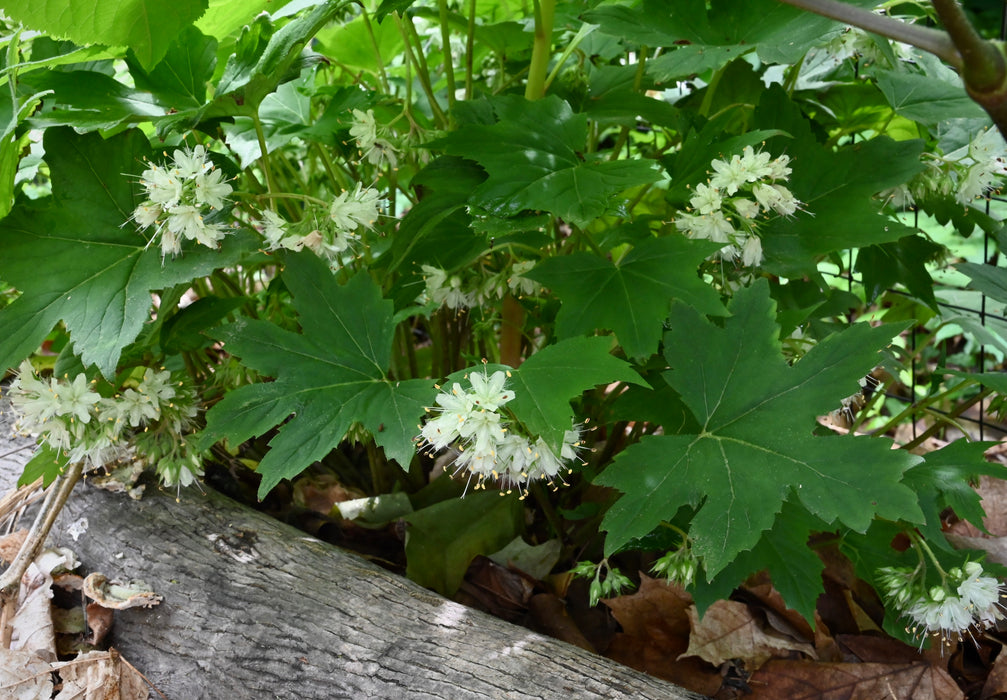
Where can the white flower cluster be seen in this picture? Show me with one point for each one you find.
(73, 419)
(968, 173)
(374, 147)
(488, 447)
(328, 235)
(967, 599)
(727, 208)
(478, 286)
(178, 198)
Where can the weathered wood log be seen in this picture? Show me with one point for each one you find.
(255, 609)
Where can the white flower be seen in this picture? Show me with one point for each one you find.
(446, 290)
(356, 208)
(274, 228)
(364, 128)
(489, 392)
(519, 284)
(188, 163)
(77, 398)
(163, 187)
(729, 175)
(776, 197)
(751, 252)
(210, 189)
(746, 208)
(706, 200)
(147, 214)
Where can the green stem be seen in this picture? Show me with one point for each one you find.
(417, 59)
(545, 11)
(584, 30)
(449, 68)
(919, 542)
(470, 42)
(926, 38)
(264, 155)
(377, 50)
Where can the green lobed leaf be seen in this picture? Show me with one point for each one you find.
(443, 539)
(75, 258)
(778, 32)
(533, 158)
(783, 551)
(988, 279)
(146, 26)
(180, 78)
(943, 481)
(837, 186)
(904, 261)
(633, 297)
(327, 379)
(265, 57)
(756, 448)
(546, 382)
(925, 98)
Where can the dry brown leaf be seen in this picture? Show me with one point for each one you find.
(996, 547)
(805, 680)
(655, 633)
(996, 681)
(994, 502)
(24, 676)
(728, 630)
(32, 623)
(10, 545)
(100, 675)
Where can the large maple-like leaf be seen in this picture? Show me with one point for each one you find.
(326, 379)
(145, 26)
(533, 158)
(633, 297)
(756, 449)
(75, 259)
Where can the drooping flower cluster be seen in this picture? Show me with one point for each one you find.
(179, 198)
(371, 139)
(476, 285)
(152, 418)
(966, 173)
(966, 600)
(727, 209)
(329, 234)
(489, 446)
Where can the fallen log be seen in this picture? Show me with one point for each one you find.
(254, 608)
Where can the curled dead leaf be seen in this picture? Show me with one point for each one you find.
(729, 630)
(119, 596)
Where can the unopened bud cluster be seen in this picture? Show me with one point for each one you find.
(152, 418)
(489, 448)
(741, 193)
(678, 566)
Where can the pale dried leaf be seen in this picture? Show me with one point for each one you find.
(119, 596)
(100, 675)
(803, 680)
(10, 545)
(24, 676)
(728, 630)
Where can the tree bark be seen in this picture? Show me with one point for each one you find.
(256, 609)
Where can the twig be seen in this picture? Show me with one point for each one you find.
(933, 40)
(59, 492)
